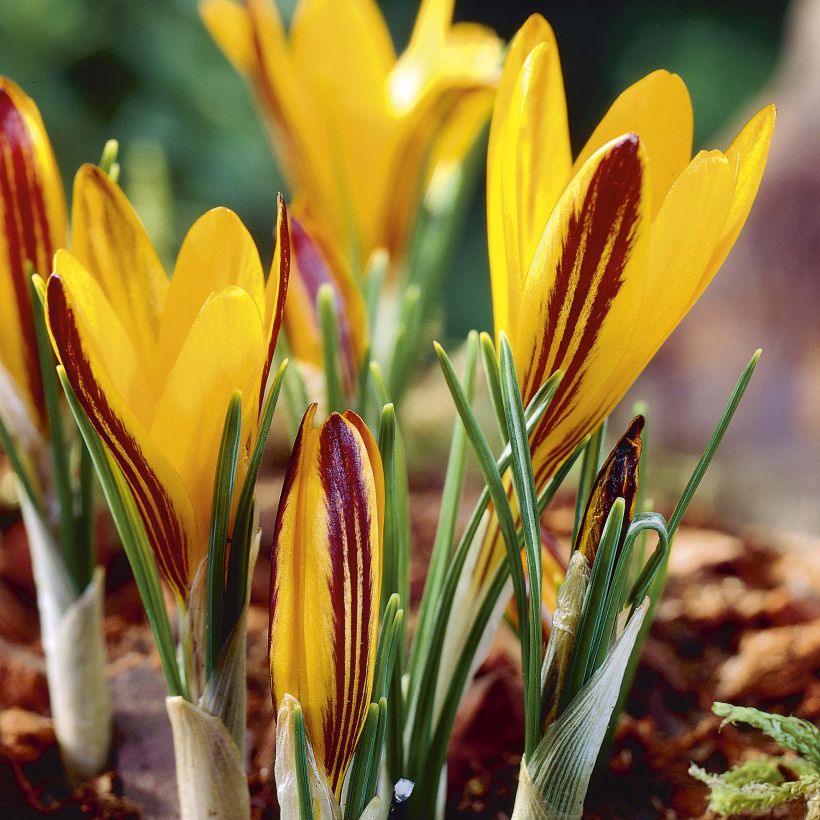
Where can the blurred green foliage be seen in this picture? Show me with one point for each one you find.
(147, 73)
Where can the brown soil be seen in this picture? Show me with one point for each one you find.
(740, 621)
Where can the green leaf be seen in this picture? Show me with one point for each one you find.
(446, 526)
(492, 373)
(591, 628)
(134, 540)
(363, 762)
(524, 484)
(220, 523)
(236, 584)
(329, 324)
(302, 774)
(558, 773)
(405, 346)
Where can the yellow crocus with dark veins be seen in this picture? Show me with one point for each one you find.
(353, 125)
(154, 362)
(33, 224)
(595, 262)
(326, 584)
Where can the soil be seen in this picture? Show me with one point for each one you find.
(740, 621)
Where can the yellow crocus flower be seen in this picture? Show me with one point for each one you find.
(326, 584)
(33, 225)
(595, 262)
(154, 362)
(352, 124)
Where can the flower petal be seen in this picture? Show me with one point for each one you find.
(95, 351)
(657, 108)
(33, 213)
(617, 478)
(582, 296)
(111, 242)
(276, 289)
(528, 161)
(217, 252)
(222, 352)
(747, 158)
(325, 584)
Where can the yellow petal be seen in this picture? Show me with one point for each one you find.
(95, 352)
(582, 296)
(217, 252)
(230, 26)
(657, 108)
(33, 214)
(747, 158)
(111, 242)
(325, 583)
(684, 236)
(528, 161)
(276, 289)
(222, 352)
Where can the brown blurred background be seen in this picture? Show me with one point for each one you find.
(148, 74)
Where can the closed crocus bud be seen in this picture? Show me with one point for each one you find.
(326, 584)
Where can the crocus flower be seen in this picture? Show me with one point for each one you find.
(154, 362)
(314, 263)
(33, 226)
(352, 124)
(594, 263)
(326, 584)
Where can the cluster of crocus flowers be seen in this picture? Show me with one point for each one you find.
(595, 262)
(34, 225)
(353, 124)
(326, 585)
(154, 362)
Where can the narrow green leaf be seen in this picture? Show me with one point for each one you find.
(237, 573)
(360, 768)
(108, 160)
(302, 775)
(405, 346)
(134, 540)
(446, 526)
(524, 484)
(489, 358)
(220, 523)
(590, 630)
(20, 467)
(329, 323)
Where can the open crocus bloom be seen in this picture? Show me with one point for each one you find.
(352, 124)
(326, 584)
(594, 263)
(154, 362)
(33, 210)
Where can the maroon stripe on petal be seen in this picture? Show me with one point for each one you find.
(349, 526)
(603, 229)
(165, 533)
(25, 224)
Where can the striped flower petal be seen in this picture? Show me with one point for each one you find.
(617, 478)
(313, 268)
(325, 583)
(102, 366)
(32, 226)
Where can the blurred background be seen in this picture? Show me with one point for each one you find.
(148, 74)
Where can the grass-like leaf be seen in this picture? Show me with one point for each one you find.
(524, 484)
(220, 523)
(302, 774)
(329, 324)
